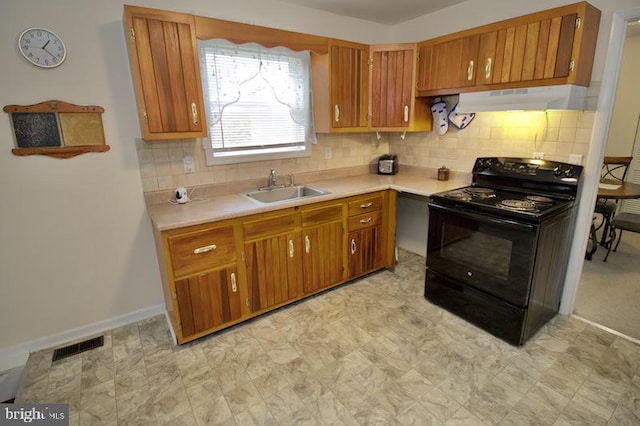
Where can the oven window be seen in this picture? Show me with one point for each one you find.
(483, 252)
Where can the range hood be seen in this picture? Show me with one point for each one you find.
(565, 96)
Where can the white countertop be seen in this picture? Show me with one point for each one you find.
(167, 216)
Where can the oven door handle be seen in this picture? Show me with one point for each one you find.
(484, 218)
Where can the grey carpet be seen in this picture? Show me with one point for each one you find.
(609, 293)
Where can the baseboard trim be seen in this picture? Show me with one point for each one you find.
(607, 329)
(15, 356)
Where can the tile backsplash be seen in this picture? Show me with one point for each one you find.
(557, 134)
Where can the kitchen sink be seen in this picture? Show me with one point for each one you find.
(285, 193)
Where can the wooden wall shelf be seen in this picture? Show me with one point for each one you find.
(57, 129)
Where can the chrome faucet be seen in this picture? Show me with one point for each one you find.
(272, 178)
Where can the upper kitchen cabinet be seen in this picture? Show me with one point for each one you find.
(344, 71)
(552, 47)
(448, 64)
(166, 73)
(392, 102)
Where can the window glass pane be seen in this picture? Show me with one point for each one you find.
(257, 99)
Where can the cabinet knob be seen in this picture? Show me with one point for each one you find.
(234, 286)
(365, 205)
(470, 71)
(205, 249)
(364, 221)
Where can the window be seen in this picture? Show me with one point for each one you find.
(257, 101)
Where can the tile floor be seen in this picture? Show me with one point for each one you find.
(370, 352)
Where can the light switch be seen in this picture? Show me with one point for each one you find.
(189, 166)
(575, 159)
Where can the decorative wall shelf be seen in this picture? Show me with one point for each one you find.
(57, 129)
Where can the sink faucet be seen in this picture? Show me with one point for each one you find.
(272, 178)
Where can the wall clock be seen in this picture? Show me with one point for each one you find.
(42, 47)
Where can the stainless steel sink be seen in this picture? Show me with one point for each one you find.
(286, 193)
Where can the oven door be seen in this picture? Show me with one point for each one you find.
(492, 254)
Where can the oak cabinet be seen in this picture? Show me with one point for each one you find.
(273, 260)
(323, 241)
(555, 46)
(392, 102)
(344, 71)
(449, 64)
(207, 301)
(166, 73)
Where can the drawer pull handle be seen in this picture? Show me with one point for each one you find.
(336, 113)
(307, 244)
(406, 114)
(353, 246)
(194, 113)
(366, 205)
(470, 71)
(205, 249)
(291, 250)
(487, 69)
(234, 286)
(367, 220)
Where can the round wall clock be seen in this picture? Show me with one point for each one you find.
(42, 47)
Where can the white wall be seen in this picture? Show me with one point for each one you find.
(626, 108)
(76, 246)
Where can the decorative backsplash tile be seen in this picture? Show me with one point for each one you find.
(555, 133)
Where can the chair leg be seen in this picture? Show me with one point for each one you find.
(608, 251)
(618, 243)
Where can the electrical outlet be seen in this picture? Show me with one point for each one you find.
(189, 166)
(327, 153)
(538, 155)
(575, 159)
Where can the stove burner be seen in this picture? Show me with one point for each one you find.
(539, 199)
(459, 195)
(480, 192)
(518, 205)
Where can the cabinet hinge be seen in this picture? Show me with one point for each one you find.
(179, 326)
(244, 256)
(578, 23)
(175, 296)
(572, 65)
(145, 117)
(247, 302)
(418, 57)
(369, 117)
(370, 62)
(132, 33)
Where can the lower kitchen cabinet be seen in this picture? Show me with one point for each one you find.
(208, 300)
(222, 273)
(323, 257)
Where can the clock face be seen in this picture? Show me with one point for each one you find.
(42, 47)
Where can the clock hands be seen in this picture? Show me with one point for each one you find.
(45, 49)
(45, 45)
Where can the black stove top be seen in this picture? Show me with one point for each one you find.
(507, 203)
(520, 188)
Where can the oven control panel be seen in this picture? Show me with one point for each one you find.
(530, 169)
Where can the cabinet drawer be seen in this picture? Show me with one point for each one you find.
(365, 220)
(363, 205)
(197, 251)
(320, 215)
(269, 227)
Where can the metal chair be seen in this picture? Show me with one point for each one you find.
(613, 169)
(623, 222)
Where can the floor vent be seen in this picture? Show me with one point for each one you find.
(77, 348)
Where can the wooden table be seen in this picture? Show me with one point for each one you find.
(627, 191)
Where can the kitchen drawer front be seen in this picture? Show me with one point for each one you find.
(366, 220)
(197, 251)
(362, 205)
(320, 215)
(276, 225)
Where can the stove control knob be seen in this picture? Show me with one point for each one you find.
(569, 172)
(557, 172)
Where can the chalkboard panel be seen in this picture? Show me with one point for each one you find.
(36, 129)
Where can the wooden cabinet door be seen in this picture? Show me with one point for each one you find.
(166, 73)
(323, 256)
(365, 251)
(536, 50)
(208, 300)
(274, 270)
(348, 85)
(449, 64)
(392, 80)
